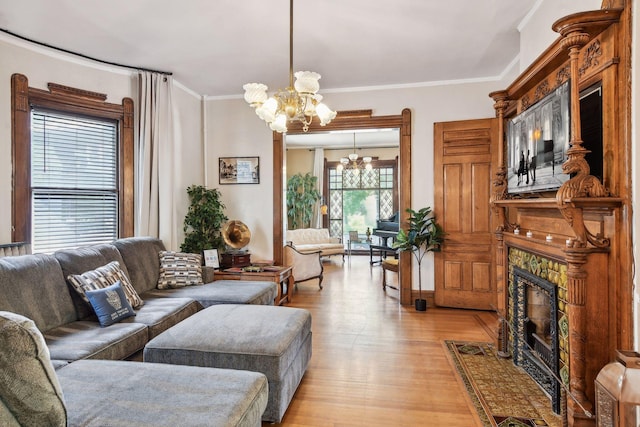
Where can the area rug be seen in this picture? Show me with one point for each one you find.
(502, 394)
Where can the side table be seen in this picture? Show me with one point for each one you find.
(281, 275)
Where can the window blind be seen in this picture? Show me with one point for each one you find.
(74, 180)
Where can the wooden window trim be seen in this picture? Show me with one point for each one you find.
(71, 100)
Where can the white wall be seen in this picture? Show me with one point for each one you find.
(190, 167)
(41, 66)
(536, 34)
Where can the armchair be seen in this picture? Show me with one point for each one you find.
(305, 266)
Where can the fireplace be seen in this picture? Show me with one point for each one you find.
(535, 331)
(539, 328)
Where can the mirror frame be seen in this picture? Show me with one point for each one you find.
(350, 120)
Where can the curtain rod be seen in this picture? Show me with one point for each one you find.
(166, 73)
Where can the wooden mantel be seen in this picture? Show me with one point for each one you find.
(586, 224)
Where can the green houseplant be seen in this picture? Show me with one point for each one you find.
(203, 220)
(424, 235)
(302, 196)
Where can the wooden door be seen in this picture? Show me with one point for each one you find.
(465, 161)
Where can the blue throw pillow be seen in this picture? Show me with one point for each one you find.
(110, 304)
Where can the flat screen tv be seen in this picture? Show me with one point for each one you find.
(537, 144)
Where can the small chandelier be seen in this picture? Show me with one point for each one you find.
(352, 162)
(298, 102)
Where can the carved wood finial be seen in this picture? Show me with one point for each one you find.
(500, 190)
(582, 184)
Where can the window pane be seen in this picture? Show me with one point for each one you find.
(73, 152)
(73, 220)
(360, 210)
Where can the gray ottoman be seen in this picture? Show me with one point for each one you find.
(275, 341)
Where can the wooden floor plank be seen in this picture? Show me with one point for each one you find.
(376, 363)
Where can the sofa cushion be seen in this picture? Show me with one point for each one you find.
(87, 340)
(33, 286)
(29, 388)
(102, 277)
(179, 269)
(123, 394)
(86, 258)
(140, 254)
(223, 292)
(110, 304)
(159, 314)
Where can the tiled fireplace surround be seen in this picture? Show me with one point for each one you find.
(536, 308)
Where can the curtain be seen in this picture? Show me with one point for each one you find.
(158, 160)
(318, 171)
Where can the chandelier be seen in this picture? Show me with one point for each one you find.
(298, 102)
(352, 162)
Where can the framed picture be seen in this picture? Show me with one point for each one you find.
(211, 258)
(239, 170)
(537, 144)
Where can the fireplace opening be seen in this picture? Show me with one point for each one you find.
(535, 331)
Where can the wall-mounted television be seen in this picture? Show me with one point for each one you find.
(537, 144)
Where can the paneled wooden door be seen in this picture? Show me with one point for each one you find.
(465, 161)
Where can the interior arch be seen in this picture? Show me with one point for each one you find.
(349, 120)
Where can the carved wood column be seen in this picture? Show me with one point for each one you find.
(576, 313)
(501, 102)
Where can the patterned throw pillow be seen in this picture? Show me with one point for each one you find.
(178, 269)
(102, 277)
(110, 304)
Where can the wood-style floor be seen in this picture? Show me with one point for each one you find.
(376, 363)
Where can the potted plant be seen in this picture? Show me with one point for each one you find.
(203, 220)
(423, 235)
(302, 196)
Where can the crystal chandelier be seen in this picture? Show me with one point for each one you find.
(298, 102)
(352, 162)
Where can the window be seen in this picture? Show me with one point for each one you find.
(72, 166)
(74, 180)
(358, 199)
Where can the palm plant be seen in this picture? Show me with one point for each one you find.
(424, 235)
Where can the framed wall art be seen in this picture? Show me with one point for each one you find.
(239, 170)
(211, 258)
(537, 144)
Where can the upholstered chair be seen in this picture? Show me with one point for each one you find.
(306, 266)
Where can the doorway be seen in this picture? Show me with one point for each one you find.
(349, 120)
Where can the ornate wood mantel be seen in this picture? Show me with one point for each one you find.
(586, 223)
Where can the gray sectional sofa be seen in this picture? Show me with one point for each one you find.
(35, 286)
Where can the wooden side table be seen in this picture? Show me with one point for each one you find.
(282, 277)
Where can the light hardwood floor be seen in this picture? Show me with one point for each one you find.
(376, 363)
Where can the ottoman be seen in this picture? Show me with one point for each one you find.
(275, 341)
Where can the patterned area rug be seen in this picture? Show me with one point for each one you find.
(503, 394)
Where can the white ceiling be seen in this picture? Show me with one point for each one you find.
(213, 47)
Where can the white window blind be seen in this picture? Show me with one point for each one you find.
(74, 181)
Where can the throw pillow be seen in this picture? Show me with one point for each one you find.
(178, 269)
(102, 277)
(110, 304)
(29, 389)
